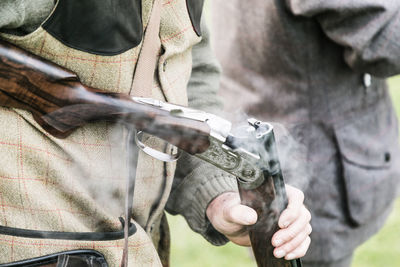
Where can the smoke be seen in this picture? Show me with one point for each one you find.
(104, 181)
(100, 171)
(292, 152)
(293, 157)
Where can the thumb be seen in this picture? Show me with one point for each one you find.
(240, 214)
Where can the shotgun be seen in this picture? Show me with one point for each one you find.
(60, 103)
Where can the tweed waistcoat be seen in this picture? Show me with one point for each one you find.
(76, 184)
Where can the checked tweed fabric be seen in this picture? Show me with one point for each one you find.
(76, 184)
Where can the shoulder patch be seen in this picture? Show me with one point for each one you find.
(106, 27)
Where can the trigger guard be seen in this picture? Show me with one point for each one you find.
(155, 153)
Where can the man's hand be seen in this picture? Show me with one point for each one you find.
(292, 240)
(229, 217)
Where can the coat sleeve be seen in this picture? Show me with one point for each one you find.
(368, 30)
(23, 16)
(196, 183)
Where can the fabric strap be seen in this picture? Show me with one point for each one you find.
(141, 86)
(144, 73)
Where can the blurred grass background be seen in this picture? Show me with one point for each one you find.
(191, 250)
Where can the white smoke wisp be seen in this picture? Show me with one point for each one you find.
(293, 158)
(104, 179)
(292, 153)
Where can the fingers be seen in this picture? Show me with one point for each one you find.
(292, 241)
(291, 248)
(297, 227)
(299, 251)
(291, 213)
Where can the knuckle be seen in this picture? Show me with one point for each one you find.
(298, 194)
(284, 218)
(291, 235)
(301, 195)
(302, 253)
(288, 215)
(289, 247)
(309, 230)
(295, 215)
(307, 214)
(308, 242)
(229, 214)
(293, 212)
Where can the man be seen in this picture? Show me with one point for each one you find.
(62, 197)
(318, 67)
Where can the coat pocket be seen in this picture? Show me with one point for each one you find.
(73, 258)
(369, 147)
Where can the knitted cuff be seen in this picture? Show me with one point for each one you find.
(216, 183)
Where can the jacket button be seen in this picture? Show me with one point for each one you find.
(164, 65)
(367, 79)
(387, 157)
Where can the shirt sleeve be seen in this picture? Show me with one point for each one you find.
(368, 30)
(197, 183)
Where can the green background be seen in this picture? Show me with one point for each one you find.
(191, 250)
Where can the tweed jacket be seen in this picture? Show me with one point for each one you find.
(318, 67)
(76, 185)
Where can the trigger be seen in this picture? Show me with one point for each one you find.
(155, 153)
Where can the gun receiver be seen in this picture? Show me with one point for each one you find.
(60, 103)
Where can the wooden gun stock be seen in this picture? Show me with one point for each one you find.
(60, 103)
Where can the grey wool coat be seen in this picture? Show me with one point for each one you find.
(318, 67)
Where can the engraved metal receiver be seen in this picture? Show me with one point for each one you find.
(237, 155)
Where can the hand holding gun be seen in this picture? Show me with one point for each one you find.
(60, 103)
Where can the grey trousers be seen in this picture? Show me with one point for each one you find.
(345, 262)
